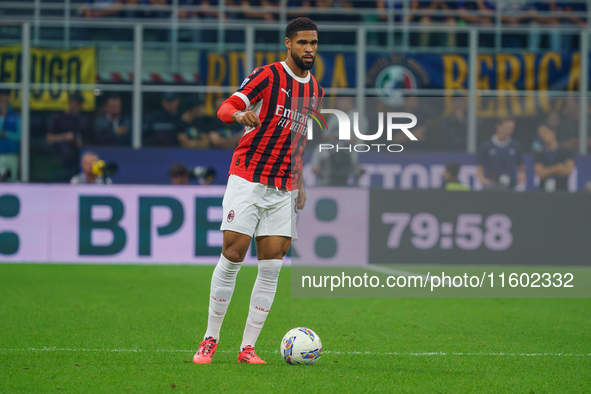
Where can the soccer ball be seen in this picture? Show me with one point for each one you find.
(301, 346)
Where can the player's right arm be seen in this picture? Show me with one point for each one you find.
(236, 108)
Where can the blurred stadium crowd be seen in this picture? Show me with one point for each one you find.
(540, 16)
(180, 120)
(183, 123)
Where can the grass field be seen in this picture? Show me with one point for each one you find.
(135, 329)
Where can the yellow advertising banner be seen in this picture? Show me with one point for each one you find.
(58, 72)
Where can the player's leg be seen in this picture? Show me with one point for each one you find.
(223, 280)
(240, 219)
(270, 252)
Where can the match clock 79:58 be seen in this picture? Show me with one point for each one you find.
(468, 232)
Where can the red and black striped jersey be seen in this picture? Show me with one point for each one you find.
(272, 152)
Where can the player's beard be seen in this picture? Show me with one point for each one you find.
(300, 62)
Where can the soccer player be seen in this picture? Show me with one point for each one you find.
(263, 182)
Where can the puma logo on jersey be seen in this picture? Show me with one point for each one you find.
(287, 92)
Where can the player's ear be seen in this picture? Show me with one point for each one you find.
(287, 43)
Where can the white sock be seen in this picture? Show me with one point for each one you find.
(261, 300)
(222, 287)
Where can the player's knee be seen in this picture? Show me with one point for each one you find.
(273, 255)
(234, 254)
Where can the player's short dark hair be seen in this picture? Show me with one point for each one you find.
(453, 167)
(299, 24)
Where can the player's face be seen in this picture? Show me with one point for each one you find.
(303, 48)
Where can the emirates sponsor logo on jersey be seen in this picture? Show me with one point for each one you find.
(294, 120)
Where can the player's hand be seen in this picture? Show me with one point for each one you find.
(248, 118)
(301, 200)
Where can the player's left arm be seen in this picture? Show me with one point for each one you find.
(301, 201)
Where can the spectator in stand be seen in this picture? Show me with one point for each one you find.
(112, 127)
(513, 13)
(267, 16)
(544, 17)
(90, 174)
(10, 135)
(135, 13)
(94, 9)
(434, 13)
(450, 178)
(185, 14)
(222, 135)
(66, 131)
(567, 130)
(453, 130)
(160, 126)
(159, 9)
(500, 165)
(476, 12)
(564, 8)
(209, 10)
(101, 8)
(190, 133)
(552, 121)
(555, 164)
(179, 174)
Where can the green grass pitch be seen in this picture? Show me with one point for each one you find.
(75, 328)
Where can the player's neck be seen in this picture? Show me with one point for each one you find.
(300, 73)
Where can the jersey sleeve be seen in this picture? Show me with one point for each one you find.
(320, 96)
(253, 86)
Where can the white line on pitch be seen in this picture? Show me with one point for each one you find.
(497, 354)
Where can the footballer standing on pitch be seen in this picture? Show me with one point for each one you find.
(265, 178)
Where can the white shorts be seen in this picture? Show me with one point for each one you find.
(260, 210)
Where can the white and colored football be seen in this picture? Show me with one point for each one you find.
(301, 346)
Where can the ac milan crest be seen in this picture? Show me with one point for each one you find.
(230, 216)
